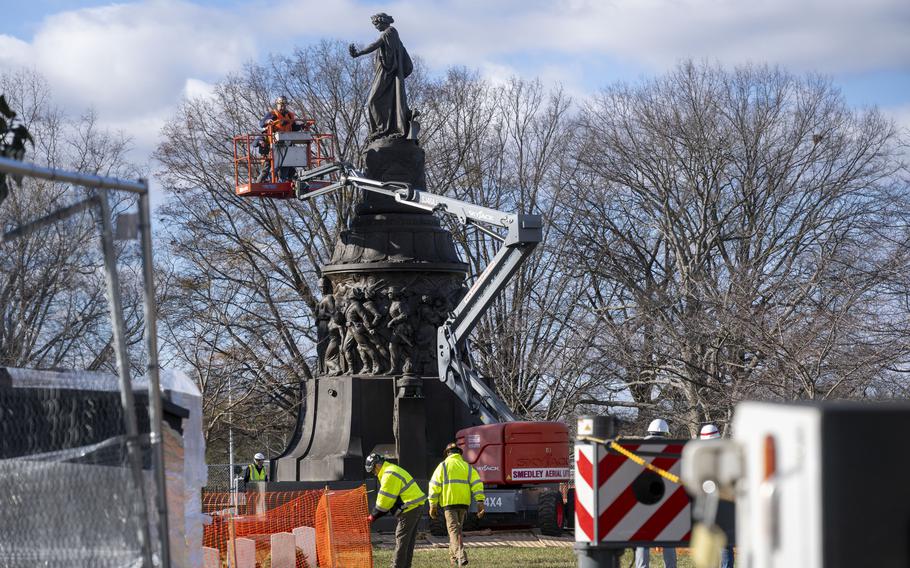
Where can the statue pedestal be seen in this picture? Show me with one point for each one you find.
(346, 418)
(410, 421)
(395, 159)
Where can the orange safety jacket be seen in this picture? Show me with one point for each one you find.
(283, 122)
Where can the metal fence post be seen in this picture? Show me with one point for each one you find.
(151, 342)
(123, 369)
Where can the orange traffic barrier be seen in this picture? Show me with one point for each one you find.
(331, 521)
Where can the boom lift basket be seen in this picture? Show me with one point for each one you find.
(304, 149)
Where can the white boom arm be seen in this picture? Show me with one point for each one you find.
(523, 232)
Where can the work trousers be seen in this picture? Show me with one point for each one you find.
(405, 535)
(454, 523)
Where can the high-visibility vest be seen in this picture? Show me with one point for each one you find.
(396, 484)
(257, 474)
(455, 482)
(283, 121)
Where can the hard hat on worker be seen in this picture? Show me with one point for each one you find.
(452, 449)
(259, 457)
(659, 426)
(709, 432)
(371, 462)
(281, 100)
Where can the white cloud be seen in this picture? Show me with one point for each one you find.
(822, 35)
(197, 89)
(133, 61)
(125, 58)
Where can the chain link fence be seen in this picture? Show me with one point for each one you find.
(220, 476)
(70, 495)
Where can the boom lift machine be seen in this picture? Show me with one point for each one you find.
(523, 464)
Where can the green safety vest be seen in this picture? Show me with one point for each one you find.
(255, 474)
(395, 483)
(455, 482)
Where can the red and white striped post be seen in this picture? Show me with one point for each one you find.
(588, 457)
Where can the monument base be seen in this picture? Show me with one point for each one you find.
(348, 417)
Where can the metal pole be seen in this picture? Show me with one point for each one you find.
(123, 370)
(16, 167)
(235, 491)
(154, 388)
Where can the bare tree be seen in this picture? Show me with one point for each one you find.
(246, 271)
(53, 311)
(736, 241)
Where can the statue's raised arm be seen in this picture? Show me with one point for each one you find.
(388, 103)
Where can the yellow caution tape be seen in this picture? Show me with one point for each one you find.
(631, 456)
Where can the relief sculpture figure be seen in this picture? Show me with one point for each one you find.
(401, 343)
(334, 363)
(324, 312)
(359, 329)
(430, 318)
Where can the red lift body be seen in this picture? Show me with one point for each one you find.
(525, 471)
(518, 453)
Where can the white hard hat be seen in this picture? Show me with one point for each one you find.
(659, 426)
(259, 457)
(709, 432)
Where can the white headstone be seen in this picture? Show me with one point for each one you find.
(283, 550)
(305, 537)
(246, 552)
(210, 558)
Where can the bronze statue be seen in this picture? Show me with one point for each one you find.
(388, 102)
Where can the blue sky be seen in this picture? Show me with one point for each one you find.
(133, 60)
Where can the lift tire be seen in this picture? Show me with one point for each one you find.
(568, 522)
(550, 513)
(438, 525)
(471, 522)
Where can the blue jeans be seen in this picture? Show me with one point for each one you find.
(726, 557)
(643, 557)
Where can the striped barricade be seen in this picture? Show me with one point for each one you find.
(621, 503)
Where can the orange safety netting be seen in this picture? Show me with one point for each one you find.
(300, 529)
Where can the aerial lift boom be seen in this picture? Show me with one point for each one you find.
(522, 234)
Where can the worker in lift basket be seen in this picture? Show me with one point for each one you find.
(277, 119)
(710, 432)
(454, 484)
(656, 429)
(398, 494)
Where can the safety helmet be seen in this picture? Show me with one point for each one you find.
(709, 432)
(259, 457)
(281, 99)
(659, 426)
(371, 462)
(452, 449)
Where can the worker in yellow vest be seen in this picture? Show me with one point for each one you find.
(256, 470)
(454, 484)
(399, 495)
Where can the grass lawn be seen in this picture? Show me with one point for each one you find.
(510, 557)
